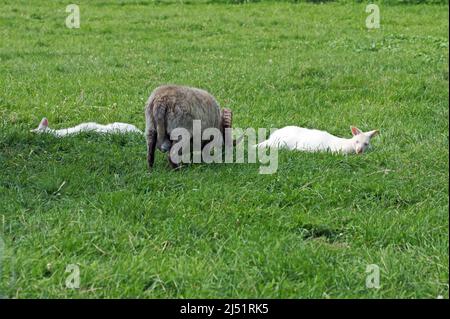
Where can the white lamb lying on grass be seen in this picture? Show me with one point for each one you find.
(309, 140)
(113, 128)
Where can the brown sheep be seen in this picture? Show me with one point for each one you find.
(172, 106)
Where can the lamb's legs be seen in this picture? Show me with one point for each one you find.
(151, 145)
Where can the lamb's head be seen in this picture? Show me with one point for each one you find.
(43, 126)
(361, 140)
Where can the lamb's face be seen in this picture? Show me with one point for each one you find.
(361, 140)
(42, 126)
(361, 143)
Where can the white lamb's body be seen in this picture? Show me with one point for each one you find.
(311, 140)
(113, 128)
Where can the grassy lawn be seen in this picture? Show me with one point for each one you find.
(308, 231)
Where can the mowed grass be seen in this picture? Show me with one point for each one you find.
(308, 231)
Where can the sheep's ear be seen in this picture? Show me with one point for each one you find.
(43, 124)
(372, 133)
(355, 130)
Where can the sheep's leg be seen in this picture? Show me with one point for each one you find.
(150, 134)
(151, 145)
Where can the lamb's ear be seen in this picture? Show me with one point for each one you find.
(43, 124)
(372, 133)
(355, 130)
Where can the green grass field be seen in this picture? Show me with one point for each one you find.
(308, 231)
